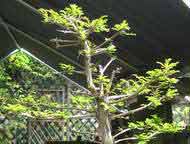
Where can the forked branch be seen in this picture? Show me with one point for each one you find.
(133, 111)
(108, 40)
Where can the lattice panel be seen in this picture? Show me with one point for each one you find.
(21, 136)
(41, 131)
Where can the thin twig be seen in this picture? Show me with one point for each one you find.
(64, 41)
(111, 82)
(67, 31)
(99, 51)
(108, 40)
(133, 111)
(126, 139)
(101, 83)
(117, 97)
(66, 45)
(126, 97)
(121, 132)
(108, 64)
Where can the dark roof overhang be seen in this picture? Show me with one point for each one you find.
(162, 29)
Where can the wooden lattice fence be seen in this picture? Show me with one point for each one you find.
(43, 130)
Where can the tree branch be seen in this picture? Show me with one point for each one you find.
(154, 134)
(67, 31)
(108, 64)
(126, 139)
(133, 111)
(102, 70)
(66, 45)
(99, 51)
(79, 72)
(126, 97)
(109, 40)
(118, 97)
(88, 69)
(71, 22)
(111, 83)
(63, 41)
(121, 132)
(101, 83)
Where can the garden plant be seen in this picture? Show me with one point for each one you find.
(108, 95)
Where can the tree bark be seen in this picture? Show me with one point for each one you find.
(88, 71)
(104, 128)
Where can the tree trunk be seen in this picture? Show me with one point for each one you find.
(88, 71)
(104, 128)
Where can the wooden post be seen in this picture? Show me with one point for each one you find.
(62, 95)
(29, 131)
(67, 92)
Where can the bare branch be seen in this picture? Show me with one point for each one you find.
(66, 45)
(129, 96)
(72, 23)
(108, 40)
(80, 72)
(134, 138)
(108, 64)
(113, 74)
(121, 98)
(102, 70)
(67, 31)
(111, 82)
(133, 111)
(126, 139)
(124, 131)
(117, 97)
(99, 51)
(121, 132)
(63, 41)
(101, 83)
(153, 135)
(88, 69)
(117, 109)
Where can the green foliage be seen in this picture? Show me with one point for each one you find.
(20, 61)
(157, 86)
(73, 10)
(123, 26)
(82, 101)
(111, 49)
(155, 101)
(152, 127)
(181, 114)
(102, 79)
(20, 77)
(73, 18)
(68, 69)
(100, 24)
(15, 108)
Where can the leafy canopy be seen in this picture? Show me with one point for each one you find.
(108, 95)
